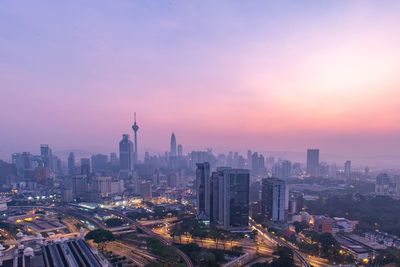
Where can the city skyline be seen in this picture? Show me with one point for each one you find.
(276, 76)
(200, 133)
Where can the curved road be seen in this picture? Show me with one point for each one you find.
(149, 232)
(146, 230)
(279, 241)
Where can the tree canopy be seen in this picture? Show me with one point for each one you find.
(378, 212)
(100, 236)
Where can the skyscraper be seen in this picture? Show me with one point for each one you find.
(203, 190)
(273, 199)
(347, 168)
(71, 164)
(286, 169)
(126, 153)
(46, 155)
(254, 163)
(99, 163)
(135, 129)
(172, 151)
(230, 198)
(180, 151)
(85, 166)
(114, 159)
(313, 162)
(236, 208)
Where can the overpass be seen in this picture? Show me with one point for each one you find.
(279, 241)
(150, 233)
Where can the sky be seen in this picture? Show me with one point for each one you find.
(231, 75)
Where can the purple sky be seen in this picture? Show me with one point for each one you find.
(265, 75)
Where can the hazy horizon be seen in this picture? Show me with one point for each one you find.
(269, 76)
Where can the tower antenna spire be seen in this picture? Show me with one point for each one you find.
(135, 129)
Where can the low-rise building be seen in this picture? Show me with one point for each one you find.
(322, 224)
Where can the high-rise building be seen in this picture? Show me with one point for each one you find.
(286, 169)
(114, 159)
(172, 151)
(230, 198)
(27, 160)
(172, 179)
(261, 165)
(144, 189)
(135, 129)
(217, 195)
(347, 168)
(296, 202)
(46, 154)
(254, 163)
(71, 164)
(313, 162)
(85, 166)
(249, 158)
(255, 191)
(273, 199)
(99, 163)
(180, 151)
(79, 185)
(382, 185)
(277, 170)
(126, 153)
(203, 190)
(101, 185)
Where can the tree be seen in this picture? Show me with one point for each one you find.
(114, 222)
(167, 254)
(134, 215)
(286, 257)
(300, 226)
(215, 234)
(387, 256)
(329, 245)
(237, 249)
(199, 233)
(208, 259)
(176, 230)
(100, 237)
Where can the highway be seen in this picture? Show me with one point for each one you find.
(279, 241)
(248, 247)
(138, 256)
(72, 211)
(150, 233)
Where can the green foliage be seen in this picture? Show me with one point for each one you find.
(114, 222)
(199, 230)
(378, 212)
(8, 227)
(202, 256)
(237, 249)
(134, 215)
(166, 253)
(309, 248)
(100, 236)
(325, 246)
(286, 258)
(300, 226)
(387, 256)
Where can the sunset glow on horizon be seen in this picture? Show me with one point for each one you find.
(284, 76)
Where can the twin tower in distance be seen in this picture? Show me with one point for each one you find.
(128, 151)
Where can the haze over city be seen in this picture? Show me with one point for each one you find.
(200, 133)
(272, 76)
